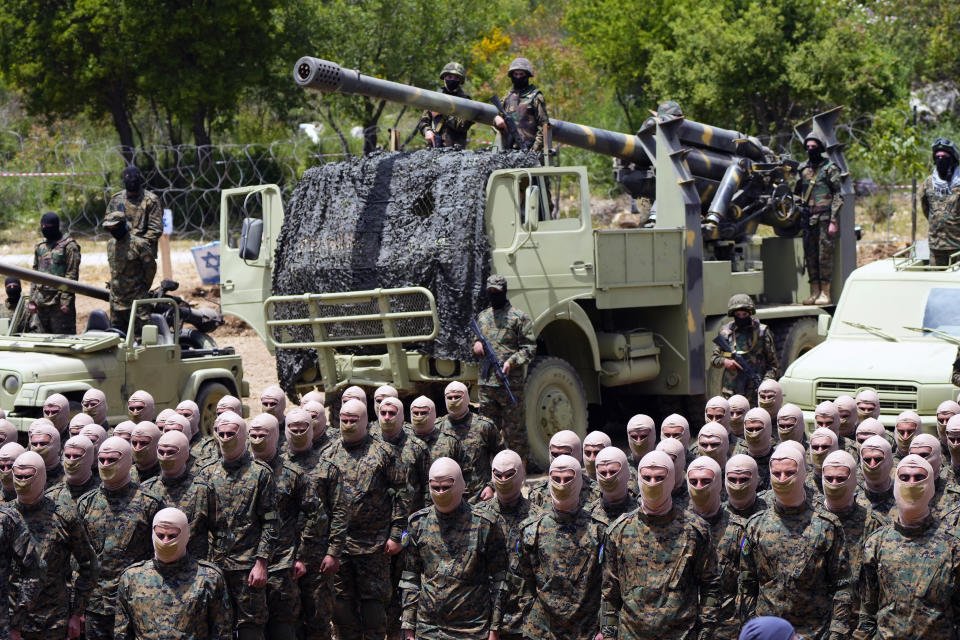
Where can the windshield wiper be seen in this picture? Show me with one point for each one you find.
(943, 335)
(874, 330)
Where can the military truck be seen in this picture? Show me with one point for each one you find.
(896, 330)
(173, 364)
(619, 314)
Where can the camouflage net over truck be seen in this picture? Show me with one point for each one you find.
(389, 220)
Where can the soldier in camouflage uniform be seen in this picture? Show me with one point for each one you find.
(613, 480)
(593, 443)
(952, 471)
(642, 439)
(741, 477)
(564, 442)
(456, 564)
(660, 575)
(819, 188)
(45, 440)
(423, 419)
(18, 551)
(908, 425)
(876, 467)
(8, 454)
(144, 439)
(793, 559)
(910, 575)
(525, 105)
(14, 289)
(675, 450)
(559, 560)
(479, 440)
(753, 341)
(510, 332)
(377, 500)
(173, 595)
(94, 404)
(58, 255)
(79, 456)
(141, 208)
(118, 516)
(59, 535)
(244, 535)
(443, 130)
(940, 202)
(132, 267)
(318, 416)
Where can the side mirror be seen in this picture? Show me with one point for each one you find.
(251, 235)
(823, 325)
(531, 207)
(149, 335)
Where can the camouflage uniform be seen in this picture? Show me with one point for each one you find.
(142, 476)
(17, 549)
(119, 522)
(245, 530)
(942, 210)
(295, 504)
(451, 129)
(660, 578)
(454, 578)
(205, 449)
(59, 535)
(144, 217)
(755, 344)
(510, 517)
(529, 110)
(69, 494)
(883, 503)
(132, 267)
(61, 258)
(559, 564)
(510, 332)
(908, 583)
(27, 322)
(479, 441)
(607, 512)
(824, 200)
(183, 599)
(196, 499)
(376, 499)
(794, 565)
(726, 531)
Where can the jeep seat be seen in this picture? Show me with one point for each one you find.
(98, 321)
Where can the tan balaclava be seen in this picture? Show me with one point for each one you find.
(148, 411)
(263, 435)
(318, 417)
(713, 441)
(180, 423)
(311, 396)
(356, 414)
(299, 430)
(56, 409)
(94, 404)
(593, 443)
(670, 425)
(162, 417)
(656, 497)
(758, 441)
(189, 410)
(742, 495)
(705, 500)
(445, 470)
(78, 470)
(922, 442)
(903, 440)
(230, 403)
(391, 427)
(566, 442)
(172, 550)
(739, 406)
(508, 465)
(789, 492)
(566, 495)
(146, 436)
(116, 475)
(8, 454)
(847, 410)
(839, 497)
(385, 391)
(772, 402)
(717, 409)
(124, 430)
(173, 466)
(49, 452)
(796, 446)
(790, 423)
(912, 496)
(640, 436)
(8, 432)
(945, 410)
(29, 489)
(78, 422)
(613, 474)
(232, 447)
(827, 415)
(953, 439)
(273, 401)
(423, 425)
(870, 427)
(458, 407)
(97, 434)
(678, 454)
(353, 393)
(869, 397)
(823, 442)
(876, 476)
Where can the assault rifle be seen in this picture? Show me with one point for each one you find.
(748, 369)
(490, 361)
(512, 136)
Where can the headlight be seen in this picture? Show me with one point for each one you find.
(11, 384)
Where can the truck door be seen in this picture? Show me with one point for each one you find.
(152, 364)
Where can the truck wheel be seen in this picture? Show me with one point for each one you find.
(210, 394)
(795, 339)
(554, 400)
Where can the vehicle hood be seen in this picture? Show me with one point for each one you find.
(923, 361)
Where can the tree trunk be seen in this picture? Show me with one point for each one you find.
(117, 105)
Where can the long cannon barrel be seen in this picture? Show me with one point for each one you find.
(56, 282)
(329, 77)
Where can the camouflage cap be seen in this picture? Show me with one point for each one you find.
(669, 108)
(740, 302)
(944, 144)
(112, 219)
(521, 64)
(497, 282)
(455, 69)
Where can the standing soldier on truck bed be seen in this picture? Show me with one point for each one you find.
(752, 341)
(132, 265)
(940, 201)
(524, 104)
(441, 130)
(57, 254)
(143, 213)
(819, 189)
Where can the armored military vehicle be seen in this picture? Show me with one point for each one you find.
(619, 314)
(172, 362)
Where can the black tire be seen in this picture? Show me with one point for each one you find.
(553, 400)
(794, 338)
(210, 394)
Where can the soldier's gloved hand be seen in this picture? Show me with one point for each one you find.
(30, 307)
(486, 494)
(75, 626)
(429, 136)
(499, 123)
(731, 364)
(329, 564)
(832, 229)
(299, 570)
(478, 348)
(506, 368)
(392, 548)
(258, 575)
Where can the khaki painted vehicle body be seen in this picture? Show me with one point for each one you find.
(615, 311)
(874, 341)
(34, 366)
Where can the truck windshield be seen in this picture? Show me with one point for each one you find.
(894, 306)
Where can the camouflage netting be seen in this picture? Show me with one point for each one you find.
(389, 220)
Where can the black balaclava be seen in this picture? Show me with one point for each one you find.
(945, 164)
(132, 179)
(743, 322)
(50, 226)
(451, 84)
(119, 231)
(816, 154)
(12, 285)
(520, 83)
(497, 298)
